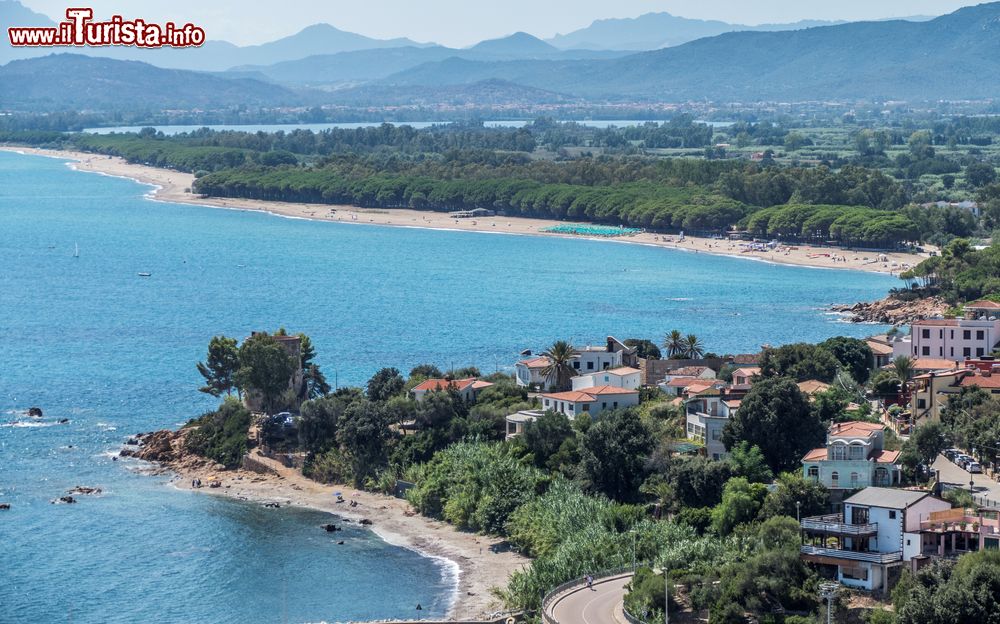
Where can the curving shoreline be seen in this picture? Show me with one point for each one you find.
(466, 559)
(173, 187)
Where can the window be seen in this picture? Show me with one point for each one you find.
(834, 478)
(967, 334)
(813, 472)
(604, 405)
(980, 334)
(925, 351)
(922, 403)
(967, 351)
(615, 405)
(979, 352)
(576, 365)
(716, 434)
(892, 516)
(586, 407)
(854, 479)
(925, 333)
(590, 366)
(546, 402)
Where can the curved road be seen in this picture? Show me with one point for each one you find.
(580, 605)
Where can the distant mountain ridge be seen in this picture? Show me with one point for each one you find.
(951, 57)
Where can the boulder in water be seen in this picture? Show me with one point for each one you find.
(4, 506)
(35, 412)
(69, 500)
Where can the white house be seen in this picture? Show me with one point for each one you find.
(468, 389)
(973, 336)
(625, 377)
(591, 401)
(531, 372)
(518, 420)
(708, 411)
(877, 533)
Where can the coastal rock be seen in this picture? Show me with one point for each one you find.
(4, 506)
(69, 500)
(82, 489)
(892, 311)
(35, 412)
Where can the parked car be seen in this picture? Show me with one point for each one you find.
(974, 468)
(951, 454)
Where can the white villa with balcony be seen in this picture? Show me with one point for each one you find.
(879, 530)
(612, 355)
(854, 457)
(707, 413)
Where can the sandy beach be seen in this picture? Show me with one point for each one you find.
(479, 569)
(174, 186)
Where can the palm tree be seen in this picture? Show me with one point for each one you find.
(693, 349)
(560, 367)
(674, 343)
(903, 367)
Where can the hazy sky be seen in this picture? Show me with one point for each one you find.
(464, 22)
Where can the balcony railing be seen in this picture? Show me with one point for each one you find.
(870, 557)
(833, 524)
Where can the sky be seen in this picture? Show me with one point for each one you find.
(461, 23)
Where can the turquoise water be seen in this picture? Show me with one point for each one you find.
(89, 340)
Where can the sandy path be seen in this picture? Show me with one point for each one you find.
(175, 187)
(394, 520)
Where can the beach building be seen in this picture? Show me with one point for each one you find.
(854, 457)
(954, 532)
(468, 389)
(518, 420)
(974, 335)
(590, 401)
(867, 545)
(707, 412)
(929, 393)
(624, 377)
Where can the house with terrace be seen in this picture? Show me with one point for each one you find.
(591, 401)
(612, 354)
(868, 543)
(707, 412)
(624, 377)
(854, 457)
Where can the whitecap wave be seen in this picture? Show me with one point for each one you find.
(18, 424)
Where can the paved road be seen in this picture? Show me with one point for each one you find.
(951, 473)
(592, 606)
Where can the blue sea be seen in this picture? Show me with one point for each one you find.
(87, 339)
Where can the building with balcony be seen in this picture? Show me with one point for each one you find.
(867, 544)
(625, 377)
(707, 413)
(973, 335)
(854, 457)
(468, 389)
(612, 354)
(955, 532)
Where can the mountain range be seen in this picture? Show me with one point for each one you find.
(949, 57)
(653, 31)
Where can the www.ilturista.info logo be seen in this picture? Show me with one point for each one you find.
(79, 29)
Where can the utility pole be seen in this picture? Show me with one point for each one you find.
(828, 591)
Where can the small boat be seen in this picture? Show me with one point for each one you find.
(144, 274)
(76, 250)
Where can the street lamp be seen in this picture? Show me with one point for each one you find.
(828, 591)
(666, 593)
(798, 515)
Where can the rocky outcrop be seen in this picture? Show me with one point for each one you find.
(892, 311)
(165, 448)
(82, 489)
(35, 412)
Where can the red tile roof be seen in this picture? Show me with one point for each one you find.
(982, 381)
(982, 304)
(537, 362)
(815, 455)
(589, 395)
(886, 457)
(926, 363)
(855, 428)
(431, 385)
(680, 382)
